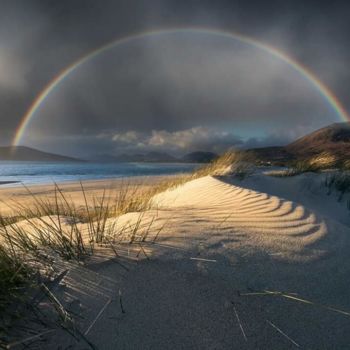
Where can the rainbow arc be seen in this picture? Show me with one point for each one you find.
(324, 91)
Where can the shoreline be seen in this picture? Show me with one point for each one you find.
(9, 182)
(12, 195)
(20, 184)
(60, 174)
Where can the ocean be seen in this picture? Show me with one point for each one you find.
(29, 173)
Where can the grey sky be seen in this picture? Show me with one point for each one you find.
(174, 93)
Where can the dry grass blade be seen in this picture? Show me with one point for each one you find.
(294, 297)
(28, 339)
(284, 334)
(263, 293)
(240, 324)
(143, 251)
(63, 313)
(159, 231)
(202, 259)
(98, 316)
(121, 301)
(330, 308)
(145, 235)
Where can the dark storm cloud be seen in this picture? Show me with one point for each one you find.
(177, 82)
(39, 38)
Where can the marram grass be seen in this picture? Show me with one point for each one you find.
(35, 232)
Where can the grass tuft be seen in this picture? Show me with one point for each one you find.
(339, 181)
(233, 163)
(313, 165)
(14, 277)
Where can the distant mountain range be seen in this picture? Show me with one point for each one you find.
(333, 139)
(152, 157)
(199, 157)
(158, 157)
(22, 153)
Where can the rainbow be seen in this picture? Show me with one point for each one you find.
(324, 91)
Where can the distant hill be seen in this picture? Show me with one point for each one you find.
(152, 157)
(199, 157)
(22, 153)
(333, 140)
(156, 157)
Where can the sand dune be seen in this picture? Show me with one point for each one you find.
(222, 247)
(267, 222)
(249, 241)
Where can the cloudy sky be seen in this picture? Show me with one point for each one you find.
(175, 92)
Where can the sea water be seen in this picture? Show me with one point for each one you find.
(29, 173)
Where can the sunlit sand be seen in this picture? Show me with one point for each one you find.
(235, 263)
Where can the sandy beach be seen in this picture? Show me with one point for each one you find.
(14, 193)
(252, 264)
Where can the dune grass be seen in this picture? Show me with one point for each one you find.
(14, 277)
(316, 164)
(340, 182)
(337, 180)
(234, 163)
(346, 165)
(59, 227)
(47, 216)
